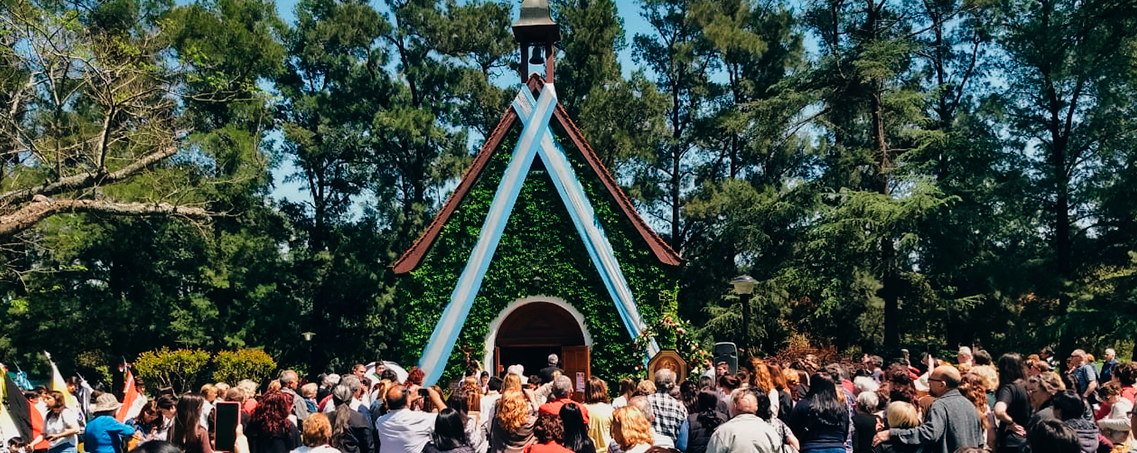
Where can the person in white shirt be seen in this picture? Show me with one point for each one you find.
(401, 429)
(61, 426)
(746, 432)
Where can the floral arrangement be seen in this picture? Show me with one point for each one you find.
(673, 332)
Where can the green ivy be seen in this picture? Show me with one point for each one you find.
(541, 244)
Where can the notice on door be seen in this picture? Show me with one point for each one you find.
(579, 381)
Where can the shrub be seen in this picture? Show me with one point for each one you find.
(233, 366)
(180, 369)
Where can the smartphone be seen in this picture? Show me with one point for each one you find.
(225, 424)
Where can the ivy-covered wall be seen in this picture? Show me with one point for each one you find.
(540, 253)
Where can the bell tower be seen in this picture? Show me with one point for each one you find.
(537, 33)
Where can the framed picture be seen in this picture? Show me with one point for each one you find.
(667, 359)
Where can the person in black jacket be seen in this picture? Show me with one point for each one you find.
(702, 424)
(351, 433)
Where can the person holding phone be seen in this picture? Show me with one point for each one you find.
(61, 426)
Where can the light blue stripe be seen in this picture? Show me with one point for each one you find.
(591, 233)
(445, 335)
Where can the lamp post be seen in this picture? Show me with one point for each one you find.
(308, 342)
(744, 288)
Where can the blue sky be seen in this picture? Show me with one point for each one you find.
(629, 10)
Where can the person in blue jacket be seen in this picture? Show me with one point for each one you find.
(104, 433)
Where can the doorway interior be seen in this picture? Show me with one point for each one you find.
(536, 329)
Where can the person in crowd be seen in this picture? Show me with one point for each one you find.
(1051, 436)
(1047, 355)
(289, 384)
(974, 387)
(599, 411)
(1109, 361)
(308, 392)
(187, 433)
(875, 364)
(669, 413)
(61, 426)
(658, 439)
(546, 373)
(271, 429)
(1012, 404)
(688, 392)
(1041, 389)
(1126, 376)
(964, 358)
(513, 423)
(727, 385)
(951, 422)
(548, 435)
(1070, 409)
(462, 399)
(900, 415)
(449, 434)
(1084, 375)
(631, 431)
(792, 383)
(761, 381)
(561, 389)
(821, 421)
(865, 422)
(489, 400)
(746, 431)
(1114, 424)
(785, 434)
(316, 435)
(404, 429)
(148, 421)
(250, 389)
(785, 401)
(17, 445)
(350, 431)
(701, 424)
(324, 394)
(900, 384)
(576, 431)
(208, 395)
(627, 390)
(104, 434)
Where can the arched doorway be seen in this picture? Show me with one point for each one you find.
(528, 330)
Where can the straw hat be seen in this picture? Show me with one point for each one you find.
(106, 402)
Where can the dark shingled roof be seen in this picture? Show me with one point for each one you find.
(414, 256)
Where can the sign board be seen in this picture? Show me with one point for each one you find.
(667, 359)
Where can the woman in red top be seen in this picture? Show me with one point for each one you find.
(550, 434)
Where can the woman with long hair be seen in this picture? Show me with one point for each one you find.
(973, 386)
(702, 423)
(449, 433)
(820, 420)
(351, 433)
(270, 430)
(513, 422)
(463, 398)
(60, 425)
(631, 431)
(785, 401)
(575, 430)
(187, 433)
(761, 381)
(627, 389)
(317, 435)
(148, 420)
(599, 412)
(1012, 404)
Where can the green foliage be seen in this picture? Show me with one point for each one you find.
(233, 366)
(179, 369)
(540, 253)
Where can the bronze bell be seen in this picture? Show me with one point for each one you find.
(536, 23)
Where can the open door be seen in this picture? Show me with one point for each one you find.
(576, 361)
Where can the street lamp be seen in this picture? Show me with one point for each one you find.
(744, 287)
(308, 354)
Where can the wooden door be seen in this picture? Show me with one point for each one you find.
(496, 362)
(576, 361)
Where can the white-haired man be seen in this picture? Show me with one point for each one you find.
(1108, 364)
(670, 413)
(745, 432)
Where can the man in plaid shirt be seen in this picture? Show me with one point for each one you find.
(670, 414)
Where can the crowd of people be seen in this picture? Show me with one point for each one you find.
(977, 404)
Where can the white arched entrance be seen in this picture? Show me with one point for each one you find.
(528, 329)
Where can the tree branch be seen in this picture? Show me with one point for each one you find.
(85, 180)
(42, 208)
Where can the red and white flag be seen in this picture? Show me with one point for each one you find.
(132, 400)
